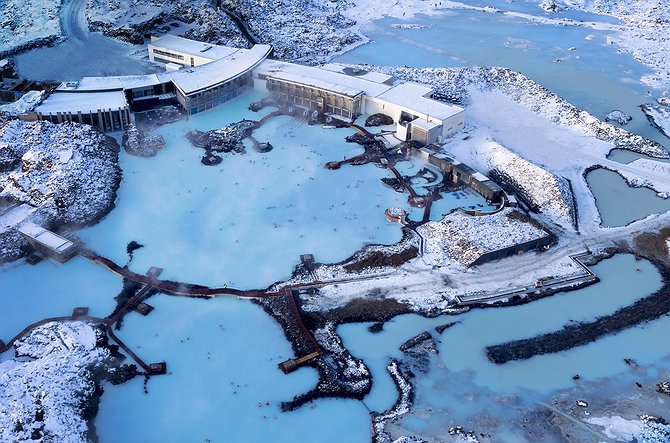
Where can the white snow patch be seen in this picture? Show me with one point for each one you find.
(26, 22)
(49, 377)
(26, 103)
(465, 238)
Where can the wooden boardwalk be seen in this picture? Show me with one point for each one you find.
(75, 317)
(150, 281)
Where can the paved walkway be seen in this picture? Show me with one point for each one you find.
(586, 276)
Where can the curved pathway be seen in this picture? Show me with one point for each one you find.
(73, 20)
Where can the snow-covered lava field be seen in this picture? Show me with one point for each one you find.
(199, 274)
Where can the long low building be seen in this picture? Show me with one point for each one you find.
(201, 76)
(105, 102)
(342, 91)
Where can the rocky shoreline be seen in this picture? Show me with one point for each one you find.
(647, 246)
(71, 176)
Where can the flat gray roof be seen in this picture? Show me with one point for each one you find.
(317, 83)
(345, 82)
(45, 237)
(115, 82)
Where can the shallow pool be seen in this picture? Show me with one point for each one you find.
(620, 204)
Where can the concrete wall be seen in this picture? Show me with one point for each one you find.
(513, 250)
(453, 124)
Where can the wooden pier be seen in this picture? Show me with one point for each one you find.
(292, 364)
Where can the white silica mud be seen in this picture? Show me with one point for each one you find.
(577, 62)
(620, 204)
(222, 384)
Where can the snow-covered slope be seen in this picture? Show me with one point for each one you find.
(464, 238)
(44, 392)
(70, 171)
(130, 20)
(28, 23)
(548, 193)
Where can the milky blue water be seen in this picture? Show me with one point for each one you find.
(31, 293)
(620, 204)
(465, 370)
(246, 222)
(595, 76)
(222, 358)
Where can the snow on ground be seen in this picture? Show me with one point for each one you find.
(70, 171)
(426, 287)
(551, 194)
(298, 29)
(130, 19)
(646, 429)
(44, 389)
(660, 169)
(659, 116)
(465, 238)
(27, 23)
(26, 103)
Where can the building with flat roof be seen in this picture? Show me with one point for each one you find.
(209, 75)
(343, 91)
(208, 85)
(106, 110)
(186, 52)
(48, 243)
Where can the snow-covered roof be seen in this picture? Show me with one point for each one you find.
(376, 77)
(14, 216)
(412, 96)
(278, 69)
(318, 83)
(480, 177)
(192, 80)
(192, 47)
(45, 237)
(116, 82)
(85, 102)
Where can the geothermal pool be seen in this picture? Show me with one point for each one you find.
(246, 221)
(620, 204)
(463, 384)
